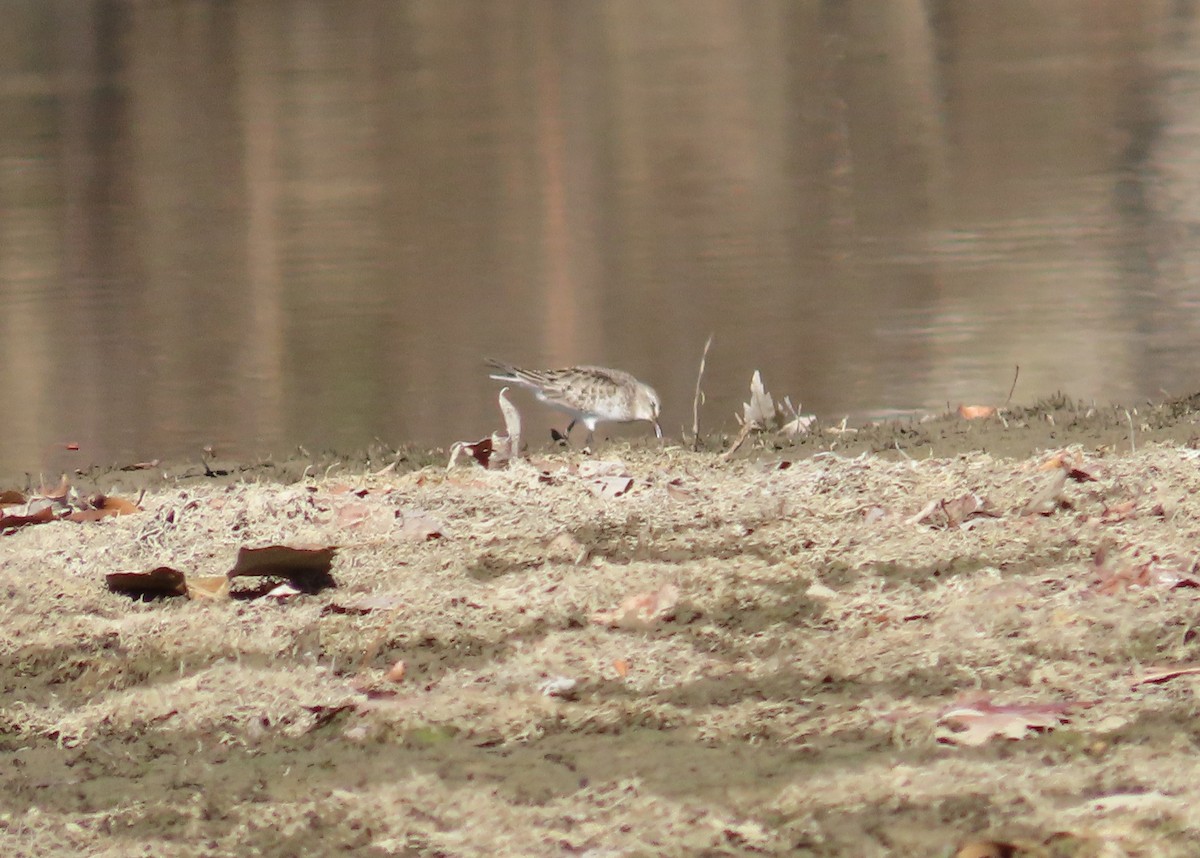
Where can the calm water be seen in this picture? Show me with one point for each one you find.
(256, 225)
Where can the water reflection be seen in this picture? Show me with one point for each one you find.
(258, 225)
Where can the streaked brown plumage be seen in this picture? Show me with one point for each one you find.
(590, 394)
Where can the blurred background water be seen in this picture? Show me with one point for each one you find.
(257, 225)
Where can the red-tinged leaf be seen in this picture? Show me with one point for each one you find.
(12, 522)
(160, 581)
(72, 446)
(1162, 674)
(481, 451)
(1118, 512)
(11, 497)
(642, 609)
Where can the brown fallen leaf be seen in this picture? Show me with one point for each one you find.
(141, 466)
(11, 497)
(642, 609)
(976, 412)
(481, 451)
(104, 506)
(307, 568)
(10, 522)
(160, 581)
(1162, 674)
(982, 720)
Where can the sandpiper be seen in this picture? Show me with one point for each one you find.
(590, 394)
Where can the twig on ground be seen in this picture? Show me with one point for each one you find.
(1132, 439)
(699, 396)
(747, 428)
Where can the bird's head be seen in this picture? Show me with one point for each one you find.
(648, 406)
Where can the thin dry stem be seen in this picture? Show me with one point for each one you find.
(699, 395)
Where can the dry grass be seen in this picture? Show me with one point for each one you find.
(788, 706)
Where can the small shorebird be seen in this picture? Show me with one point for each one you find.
(590, 394)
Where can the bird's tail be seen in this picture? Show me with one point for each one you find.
(514, 374)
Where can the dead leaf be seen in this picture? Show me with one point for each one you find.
(481, 451)
(642, 609)
(282, 591)
(602, 468)
(560, 686)
(104, 506)
(307, 568)
(982, 720)
(11, 497)
(396, 672)
(215, 587)
(1114, 575)
(1049, 498)
(13, 521)
(976, 412)
(1119, 512)
(610, 487)
(1162, 674)
(160, 581)
(760, 411)
(677, 491)
(566, 546)
(512, 424)
(420, 526)
(141, 466)
(621, 666)
(954, 512)
(365, 604)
